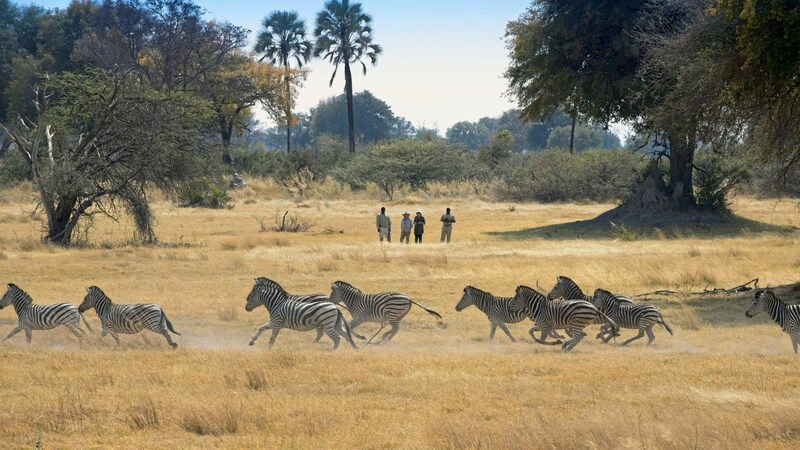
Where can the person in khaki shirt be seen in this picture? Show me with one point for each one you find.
(384, 225)
(447, 225)
(405, 227)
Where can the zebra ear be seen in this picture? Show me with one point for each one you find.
(87, 289)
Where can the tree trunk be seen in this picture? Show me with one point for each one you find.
(572, 133)
(288, 114)
(682, 145)
(348, 88)
(227, 133)
(59, 222)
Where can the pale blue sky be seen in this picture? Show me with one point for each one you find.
(443, 60)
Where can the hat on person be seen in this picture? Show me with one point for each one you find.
(419, 211)
(406, 213)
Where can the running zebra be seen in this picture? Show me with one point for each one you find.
(569, 290)
(628, 315)
(294, 315)
(787, 316)
(127, 319)
(571, 315)
(384, 308)
(308, 298)
(497, 309)
(41, 317)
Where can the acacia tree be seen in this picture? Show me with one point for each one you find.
(344, 36)
(97, 141)
(283, 38)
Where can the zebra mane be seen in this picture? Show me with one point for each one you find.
(567, 281)
(532, 292)
(479, 291)
(97, 291)
(768, 292)
(16, 289)
(347, 285)
(266, 282)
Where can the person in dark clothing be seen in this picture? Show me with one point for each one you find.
(419, 227)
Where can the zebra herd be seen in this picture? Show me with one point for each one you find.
(565, 307)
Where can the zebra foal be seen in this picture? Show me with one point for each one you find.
(571, 315)
(629, 315)
(383, 307)
(127, 319)
(497, 309)
(41, 317)
(303, 298)
(294, 315)
(787, 316)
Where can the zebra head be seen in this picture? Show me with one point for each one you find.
(263, 295)
(527, 298)
(8, 297)
(760, 302)
(468, 298)
(601, 298)
(339, 291)
(561, 289)
(93, 295)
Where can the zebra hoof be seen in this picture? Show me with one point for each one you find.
(174, 345)
(252, 343)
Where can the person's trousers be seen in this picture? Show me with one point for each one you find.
(418, 239)
(446, 232)
(405, 235)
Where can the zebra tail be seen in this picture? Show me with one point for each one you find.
(85, 322)
(664, 323)
(428, 310)
(169, 324)
(341, 320)
(614, 326)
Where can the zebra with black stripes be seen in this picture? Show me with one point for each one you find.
(127, 319)
(497, 309)
(571, 315)
(382, 307)
(304, 298)
(569, 290)
(41, 317)
(629, 315)
(787, 316)
(294, 315)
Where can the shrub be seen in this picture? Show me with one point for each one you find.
(715, 176)
(555, 176)
(13, 169)
(204, 194)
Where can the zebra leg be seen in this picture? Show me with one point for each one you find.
(353, 324)
(319, 335)
(492, 328)
(505, 330)
(76, 330)
(638, 336)
(28, 335)
(334, 337)
(578, 336)
(390, 334)
(650, 336)
(274, 336)
(260, 330)
(14, 331)
(165, 333)
(795, 340)
(546, 332)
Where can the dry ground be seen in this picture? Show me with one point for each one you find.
(722, 381)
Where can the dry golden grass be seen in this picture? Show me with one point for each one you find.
(722, 381)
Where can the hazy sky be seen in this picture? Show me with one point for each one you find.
(442, 60)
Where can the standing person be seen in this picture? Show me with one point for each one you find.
(384, 225)
(447, 225)
(405, 227)
(419, 227)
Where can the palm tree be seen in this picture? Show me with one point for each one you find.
(344, 36)
(283, 38)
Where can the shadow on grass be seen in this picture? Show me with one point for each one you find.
(664, 227)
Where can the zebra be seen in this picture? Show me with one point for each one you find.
(127, 319)
(383, 307)
(787, 316)
(308, 298)
(571, 315)
(42, 317)
(629, 315)
(294, 315)
(497, 309)
(569, 290)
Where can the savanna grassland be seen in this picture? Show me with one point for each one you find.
(722, 381)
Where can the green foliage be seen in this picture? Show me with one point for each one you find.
(716, 175)
(555, 176)
(585, 138)
(497, 151)
(373, 118)
(13, 169)
(469, 135)
(204, 194)
(408, 162)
